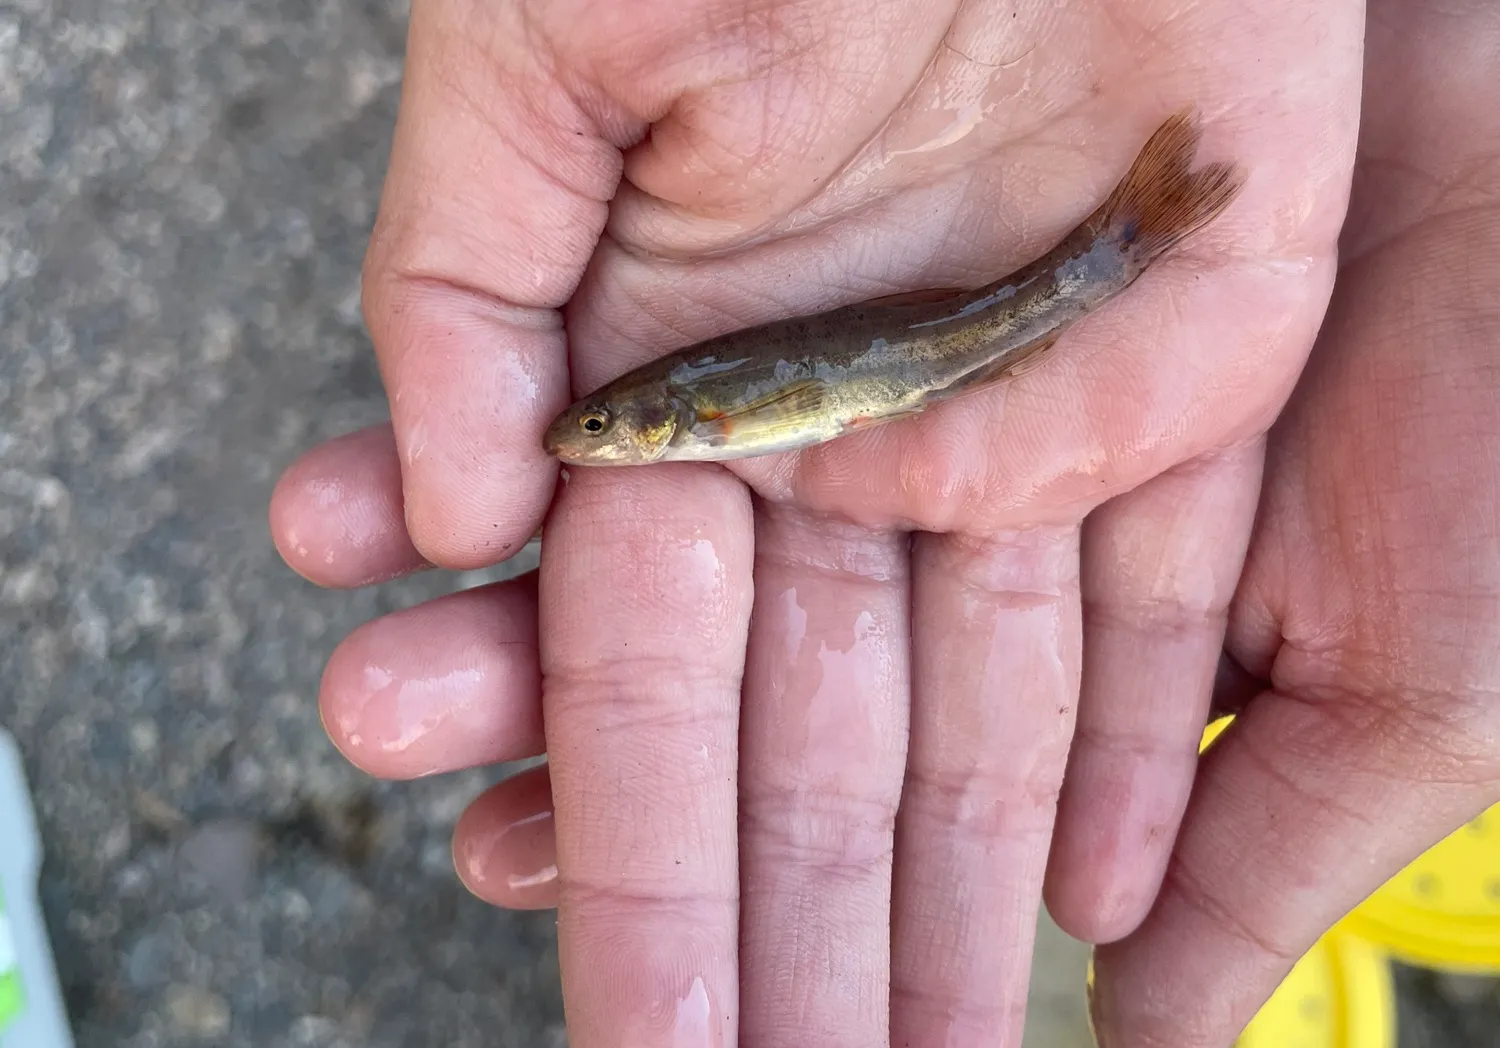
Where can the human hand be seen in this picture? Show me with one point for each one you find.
(731, 860)
(1364, 629)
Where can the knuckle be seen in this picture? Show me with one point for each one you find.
(989, 802)
(839, 833)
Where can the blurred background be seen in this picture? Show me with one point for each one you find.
(185, 193)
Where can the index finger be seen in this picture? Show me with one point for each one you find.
(496, 195)
(644, 611)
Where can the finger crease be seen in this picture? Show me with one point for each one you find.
(536, 316)
(1171, 617)
(1197, 898)
(608, 895)
(986, 804)
(829, 832)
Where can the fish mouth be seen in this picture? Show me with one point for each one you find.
(561, 444)
(554, 440)
(571, 456)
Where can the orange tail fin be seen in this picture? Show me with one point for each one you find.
(1161, 200)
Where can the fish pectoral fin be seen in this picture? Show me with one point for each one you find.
(922, 297)
(798, 400)
(793, 399)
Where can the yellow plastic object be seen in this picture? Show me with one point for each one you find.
(1443, 910)
(1213, 731)
(1339, 995)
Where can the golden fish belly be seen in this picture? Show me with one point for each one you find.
(807, 413)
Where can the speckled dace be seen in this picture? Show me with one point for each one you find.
(793, 383)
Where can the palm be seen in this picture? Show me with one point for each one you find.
(953, 169)
(1381, 522)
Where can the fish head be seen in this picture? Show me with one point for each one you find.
(631, 429)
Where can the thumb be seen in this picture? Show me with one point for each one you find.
(1304, 806)
(496, 194)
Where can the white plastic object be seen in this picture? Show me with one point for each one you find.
(32, 1014)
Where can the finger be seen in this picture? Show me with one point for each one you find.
(496, 194)
(1160, 566)
(823, 742)
(450, 684)
(646, 593)
(1302, 809)
(995, 628)
(336, 513)
(505, 847)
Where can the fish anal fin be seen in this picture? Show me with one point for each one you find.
(864, 422)
(1034, 357)
(1012, 365)
(923, 297)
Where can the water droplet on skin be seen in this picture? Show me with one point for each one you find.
(519, 379)
(829, 654)
(326, 494)
(965, 119)
(545, 875)
(418, 707)
(694, 1028)
(703, 551)
(796, 620)
(847, 663)
(416, 442)
(518, 880)
(423, 704)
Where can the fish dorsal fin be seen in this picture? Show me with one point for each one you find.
(792, 402)
(923, 297)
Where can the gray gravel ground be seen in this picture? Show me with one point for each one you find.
(187, 188)
(185, 192)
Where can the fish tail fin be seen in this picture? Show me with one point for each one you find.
(1161, 199)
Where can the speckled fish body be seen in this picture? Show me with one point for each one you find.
(797, 382)
(793, 383)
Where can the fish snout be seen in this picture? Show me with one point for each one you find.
(555, 440)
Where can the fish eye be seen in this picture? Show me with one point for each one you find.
(594, 421)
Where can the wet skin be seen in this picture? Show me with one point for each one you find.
(798, 382)
(803, 764)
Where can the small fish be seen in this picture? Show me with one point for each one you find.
(801, 381)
